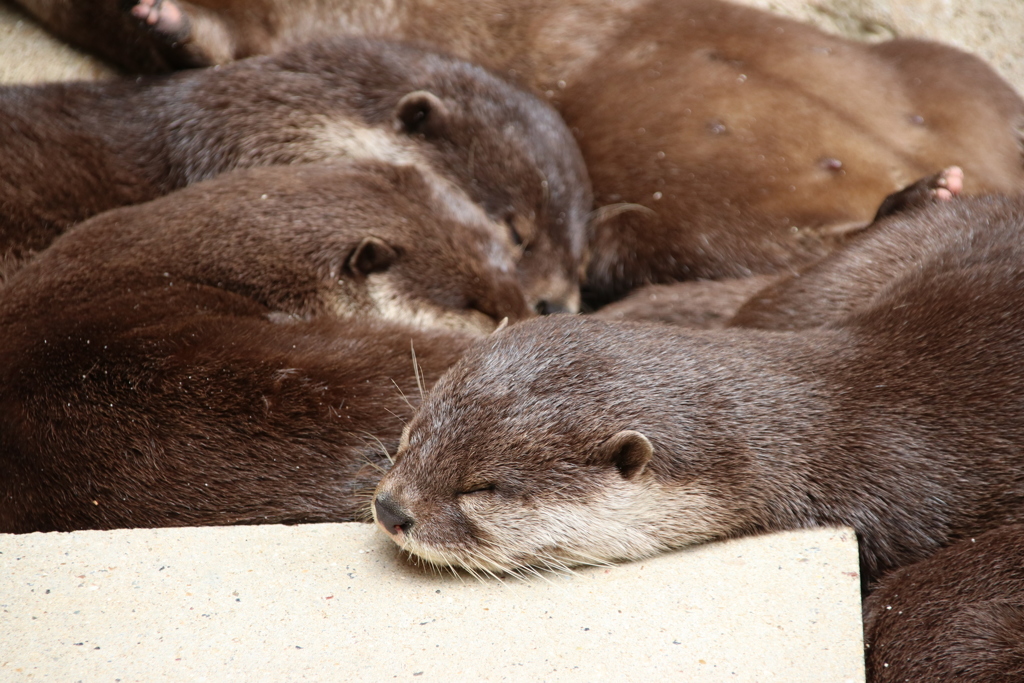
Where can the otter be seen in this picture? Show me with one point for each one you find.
(699, 304)
(722, 141)
(956, 616)
(572, 440)
(806, 297)
(71, 150)
(238, 351)
(842, 281)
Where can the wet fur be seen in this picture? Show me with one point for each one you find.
(900, 420)
(722, 140)
(214, 357)
(71, 150)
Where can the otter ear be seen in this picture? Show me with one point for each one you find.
(420, 113)
(629, 451)
(373, 255)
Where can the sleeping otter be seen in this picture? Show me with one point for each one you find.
(807, 297)
(956, 616)
(71, 150)
(239, 350)
(699, 304)
(722, 141)
(842, 281)
(572, 440)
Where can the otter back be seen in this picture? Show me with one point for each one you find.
(958, 615)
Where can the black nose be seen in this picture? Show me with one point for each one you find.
(390, 516)
(549, 307)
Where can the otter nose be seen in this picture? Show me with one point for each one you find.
(390, 516)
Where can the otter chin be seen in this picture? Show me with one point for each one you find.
(570, 440)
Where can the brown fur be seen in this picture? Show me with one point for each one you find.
(572, 440)
(71, 150)
(210, 357)
(808, 297)
(702, 304)
(722, 141)
(839, 283)
(956, 616)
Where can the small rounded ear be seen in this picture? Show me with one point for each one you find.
(629, 451)
(420, 113)
(373, 255)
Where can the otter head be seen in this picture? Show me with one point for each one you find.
(443, 262)
(511, 153)
(532, 452)
(517, 159)
(366, 238)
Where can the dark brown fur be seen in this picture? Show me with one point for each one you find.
(721, 140)
(956, 616)
(71, 150)
(702, 304)
(826, 290)
(839, 283)
(210, 357)
(570, 439)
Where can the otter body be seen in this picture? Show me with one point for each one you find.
(700, 304)
(956, 616)
(237, 351)
(845, 280)
(572, 440)
(69, 151)
(806, 297)
(722, 141)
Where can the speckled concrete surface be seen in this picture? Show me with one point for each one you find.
(336, 602)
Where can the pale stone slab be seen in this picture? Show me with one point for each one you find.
(337, 602)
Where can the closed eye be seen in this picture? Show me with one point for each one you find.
(483, 488)
(510, 222)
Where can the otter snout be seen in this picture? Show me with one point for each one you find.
(390, 516)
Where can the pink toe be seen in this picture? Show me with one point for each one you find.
(171, 13)
(955, 179)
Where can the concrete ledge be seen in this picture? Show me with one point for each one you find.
(336, 602)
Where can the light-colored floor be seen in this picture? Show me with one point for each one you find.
(336, 603)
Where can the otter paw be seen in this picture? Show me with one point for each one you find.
(948, 183)
(165, 17)
(942, 186)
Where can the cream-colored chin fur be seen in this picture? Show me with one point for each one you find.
(391, 305)
(627, 521)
